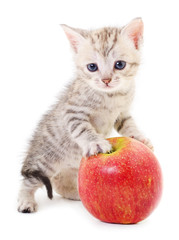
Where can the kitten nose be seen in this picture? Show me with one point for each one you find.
(106, 81)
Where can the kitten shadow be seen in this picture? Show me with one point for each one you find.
(56, 201)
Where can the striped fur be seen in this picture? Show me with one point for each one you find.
(85, 113)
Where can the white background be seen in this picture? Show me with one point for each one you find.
(36, 64)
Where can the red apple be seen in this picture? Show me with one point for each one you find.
(123, 186)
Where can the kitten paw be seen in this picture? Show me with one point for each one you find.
(94, 148)
(148, 143)
(144, 140)
(27, 206)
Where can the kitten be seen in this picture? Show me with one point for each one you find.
(97, 100)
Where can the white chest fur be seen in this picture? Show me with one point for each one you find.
(103, 119)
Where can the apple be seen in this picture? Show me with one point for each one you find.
(123, 186)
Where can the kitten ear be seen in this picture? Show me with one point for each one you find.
(134, 30)
(74, 36)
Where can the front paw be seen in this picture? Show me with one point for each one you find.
(101, 146)
(144, 140)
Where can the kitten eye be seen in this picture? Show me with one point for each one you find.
(120, 65)
(92, 67)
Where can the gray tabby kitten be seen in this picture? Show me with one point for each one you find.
(97, 100)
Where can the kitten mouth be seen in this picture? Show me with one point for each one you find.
(107, 85)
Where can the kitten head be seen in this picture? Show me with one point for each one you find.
(108, 58)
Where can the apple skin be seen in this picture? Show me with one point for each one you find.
(124, 186)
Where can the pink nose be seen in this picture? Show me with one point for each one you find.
(106, 81)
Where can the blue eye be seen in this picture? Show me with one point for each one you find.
(120, 65)
(92, 67)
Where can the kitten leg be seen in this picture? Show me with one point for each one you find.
(84, 134)
(33, 179)
(26, 200)
(65, 183)
(127, 127)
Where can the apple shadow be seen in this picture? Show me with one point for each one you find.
(125, 225)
